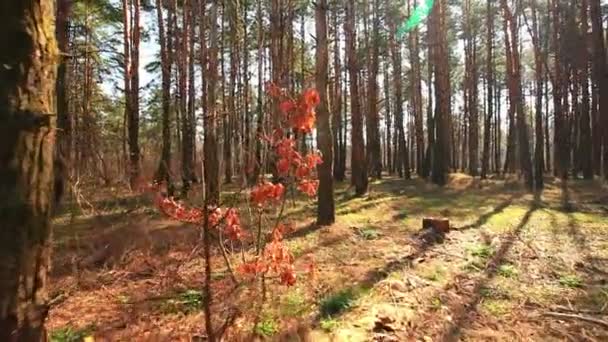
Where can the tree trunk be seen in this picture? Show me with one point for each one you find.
(600, 82)
(485, 160)
(585, 151)
(27, 128)
(133, 117)
(375, 155)
(325, 207)
(441, 148)
(212, 181)
(358, 162)
(338, 124)
(163, 173)
(539, 159)
(515, 95)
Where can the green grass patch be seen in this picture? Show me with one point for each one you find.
(496, 307)
(70, 334)
(436, 273)
(436, 304)
(293, 304)
(187, 302)
(507, 271)
(267, 327)
(571, 281)
(368, 233)
(481, 251)
(340, 301)
(329, 324)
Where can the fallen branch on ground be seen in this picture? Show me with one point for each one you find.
(579, 317)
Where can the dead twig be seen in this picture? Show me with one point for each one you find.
(578, 317)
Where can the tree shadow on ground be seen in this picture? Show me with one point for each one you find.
(461, 311)
(420, 247)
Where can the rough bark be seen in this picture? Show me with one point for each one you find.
(325, 207)
(441, 147)
(27, 130)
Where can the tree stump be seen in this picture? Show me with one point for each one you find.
(440, 224)
(433, 230)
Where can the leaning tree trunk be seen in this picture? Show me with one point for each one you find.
(27, 128)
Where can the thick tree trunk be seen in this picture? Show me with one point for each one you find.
(441, 149)
(358, 162)
(27, 128)
(600, 78)
(325, 208)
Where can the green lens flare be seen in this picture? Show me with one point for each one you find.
(420, 13)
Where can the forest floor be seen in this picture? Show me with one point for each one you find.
(514, 266)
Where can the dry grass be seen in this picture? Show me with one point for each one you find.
(511, 257)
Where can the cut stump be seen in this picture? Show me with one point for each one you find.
(440, 224)
(434, 230)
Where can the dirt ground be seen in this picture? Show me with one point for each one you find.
(515, 266)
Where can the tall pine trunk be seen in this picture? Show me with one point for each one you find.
(163, 173)
(27, 127)
(325, 207)
(441, 147)
(485, 159)
(358, 162)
